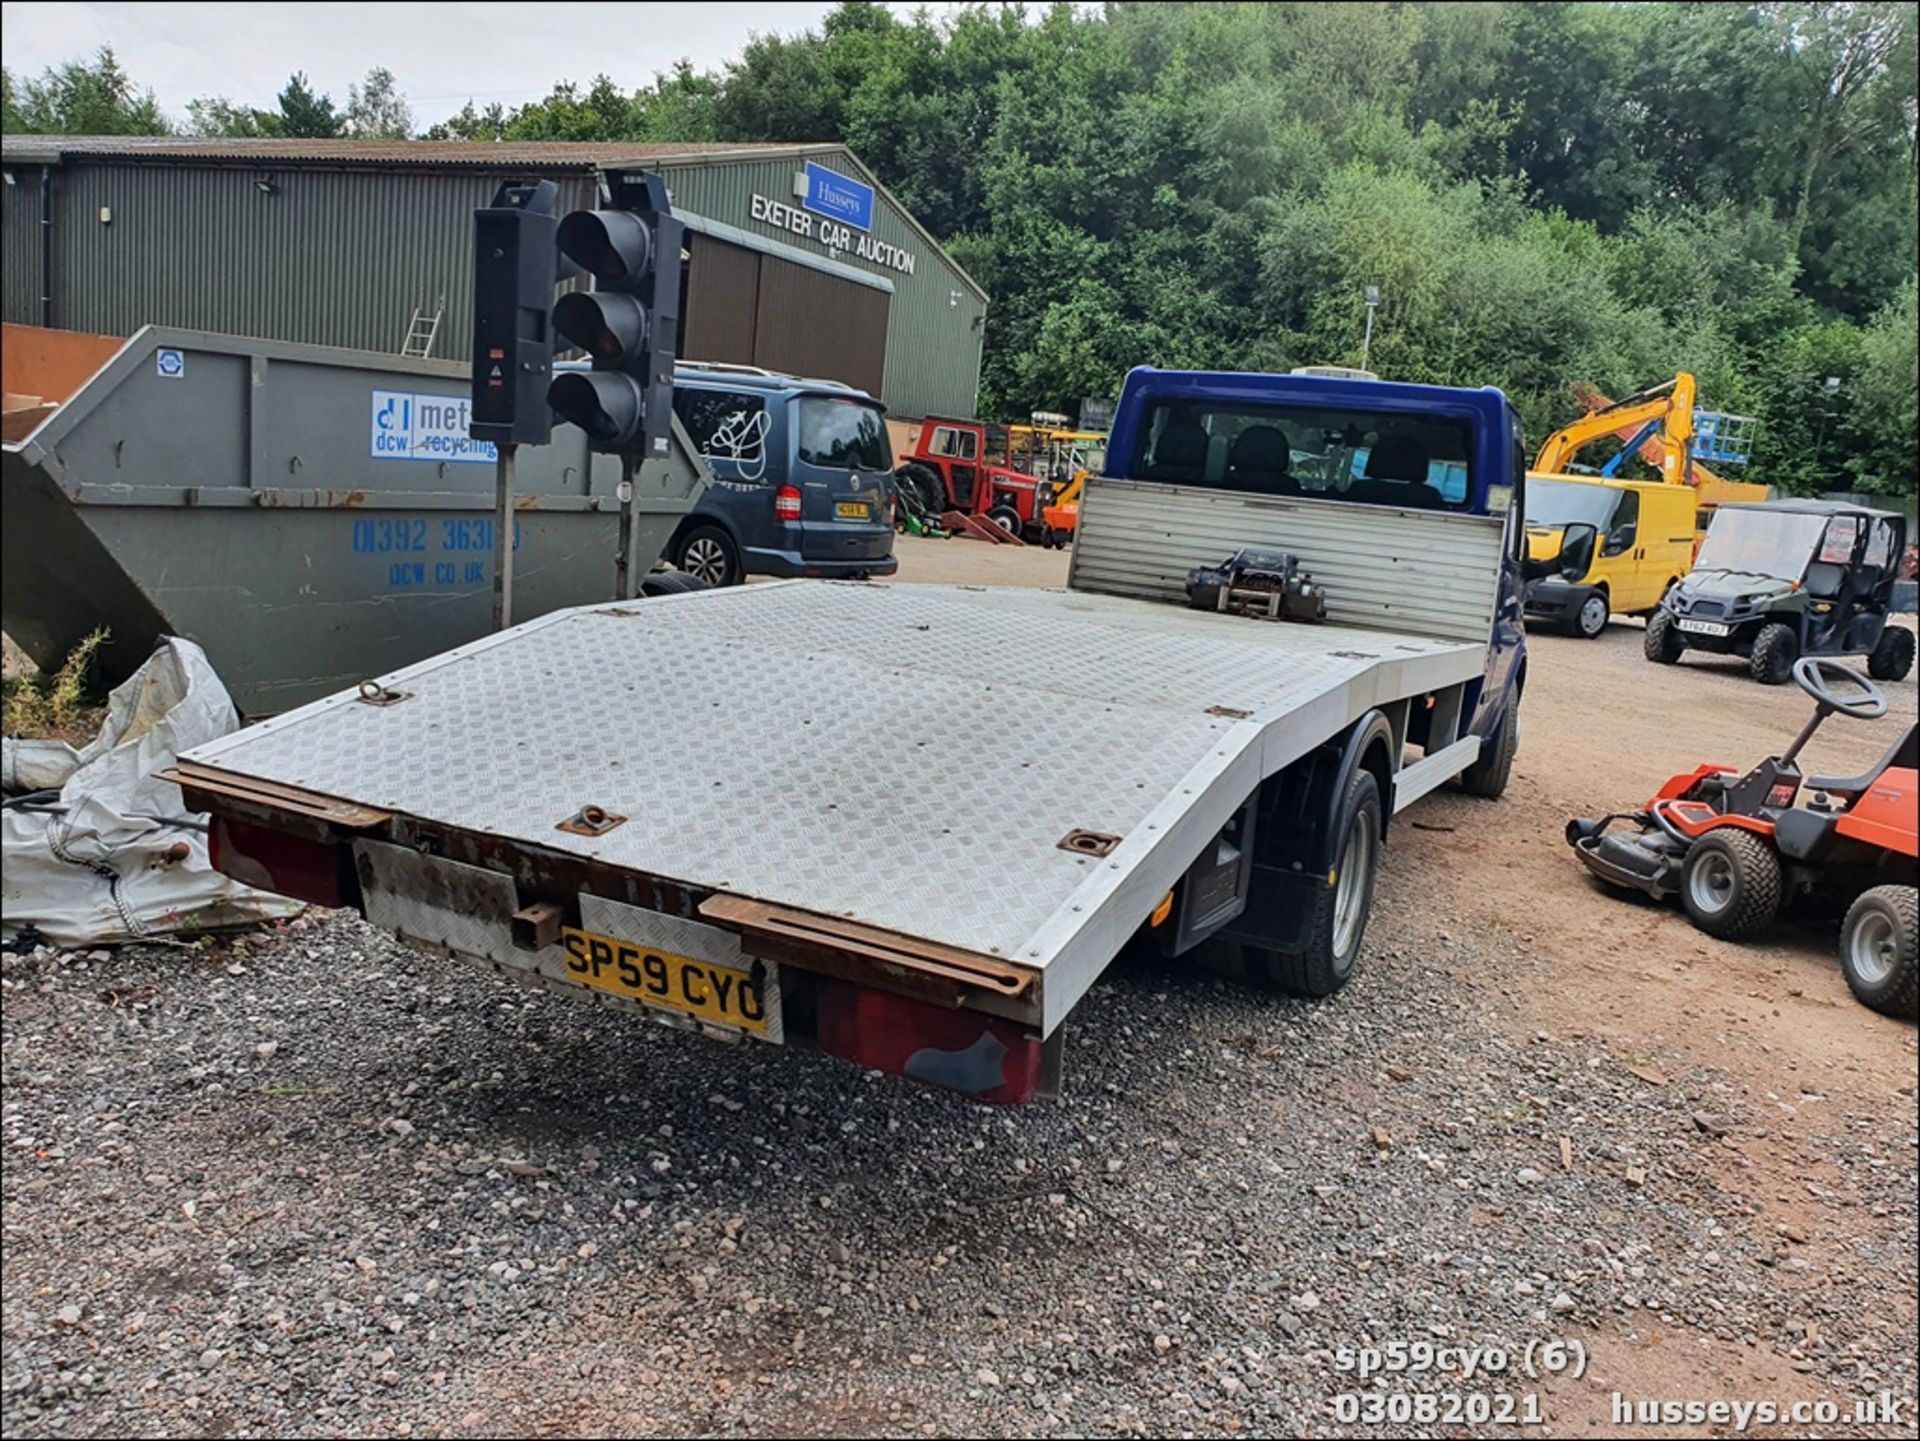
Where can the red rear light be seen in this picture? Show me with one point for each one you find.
(314, 871)
(786, 503)
(986, 1057)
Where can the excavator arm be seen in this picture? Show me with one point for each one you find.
(1670, 406)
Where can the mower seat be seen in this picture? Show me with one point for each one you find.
(1904, 752)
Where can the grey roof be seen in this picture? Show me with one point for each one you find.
(581, 156)
(1812, 507)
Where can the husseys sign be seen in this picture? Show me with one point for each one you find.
(835, 212)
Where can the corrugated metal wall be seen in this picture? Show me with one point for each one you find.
(819, 325)
(20, 243)
(326, 257)
(936, 323)
(342, 257)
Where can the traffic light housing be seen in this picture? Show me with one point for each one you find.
(628, 324)
(515, 268)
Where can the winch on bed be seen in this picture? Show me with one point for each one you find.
(1266, 584)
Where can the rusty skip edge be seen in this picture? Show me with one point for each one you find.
(825, 945)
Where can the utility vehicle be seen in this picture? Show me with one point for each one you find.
(1788, 578)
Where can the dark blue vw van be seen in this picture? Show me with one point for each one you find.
(802, 476)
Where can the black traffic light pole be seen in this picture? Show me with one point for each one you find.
(628, 325)
(515, 267)
(503, 534)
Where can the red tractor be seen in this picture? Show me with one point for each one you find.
(960, 470)
(1735, 847)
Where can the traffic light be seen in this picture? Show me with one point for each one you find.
(628, 324)
(515, 267)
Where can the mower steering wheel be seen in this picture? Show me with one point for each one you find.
(1814, 674)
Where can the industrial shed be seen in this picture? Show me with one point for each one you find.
(798, 258)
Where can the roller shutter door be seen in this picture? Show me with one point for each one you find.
(754, 309)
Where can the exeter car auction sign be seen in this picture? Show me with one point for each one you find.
(835, 212)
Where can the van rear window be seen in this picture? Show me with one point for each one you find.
(843, 435)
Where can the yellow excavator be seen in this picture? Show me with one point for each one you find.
(1663, 428)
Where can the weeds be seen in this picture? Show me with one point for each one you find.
(55, 706)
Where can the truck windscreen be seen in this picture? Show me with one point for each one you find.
(1416, 461)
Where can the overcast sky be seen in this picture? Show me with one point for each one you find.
(441, 54)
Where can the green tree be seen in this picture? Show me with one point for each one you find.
(83, 98)
(376, 109)
(217, 116)
(305, 115)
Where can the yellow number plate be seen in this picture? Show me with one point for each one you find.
(852, 510)
(661, 978)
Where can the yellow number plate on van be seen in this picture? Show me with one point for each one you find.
(852, 510)
(661, 978)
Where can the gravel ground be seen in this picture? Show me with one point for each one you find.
(312, 1183)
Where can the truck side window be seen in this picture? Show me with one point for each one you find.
(728, 426)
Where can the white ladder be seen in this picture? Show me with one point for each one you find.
(421, 330)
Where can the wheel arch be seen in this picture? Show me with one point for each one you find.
(698, 519)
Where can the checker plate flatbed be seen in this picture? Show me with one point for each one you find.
(901, 759)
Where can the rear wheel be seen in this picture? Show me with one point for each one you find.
(929, 491)
(1877, 950)
(1730, 884)
(1892, 654)
(1663, 644)
(1589, 618)
(1491, 769)
(1339, 920)
(1775, 650)
(708, 552)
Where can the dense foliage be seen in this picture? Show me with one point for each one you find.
(1548, 196)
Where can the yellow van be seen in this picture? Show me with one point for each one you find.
(1643, 543)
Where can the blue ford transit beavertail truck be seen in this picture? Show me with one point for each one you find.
(704, 835)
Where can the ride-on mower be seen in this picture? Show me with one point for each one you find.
(1736, 847)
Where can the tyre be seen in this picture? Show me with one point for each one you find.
(1006, 517)
(708, 552)
(1877, 950)
(929, 490)
(1775, 650)
(1588, 619)
(671, 582)
(1892, 654)
(1664, 642)
(1488, 774)
(1340, 915)
(1730, 884)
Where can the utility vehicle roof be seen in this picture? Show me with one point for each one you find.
(1812, 507)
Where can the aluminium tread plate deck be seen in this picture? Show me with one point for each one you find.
(906, 756)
